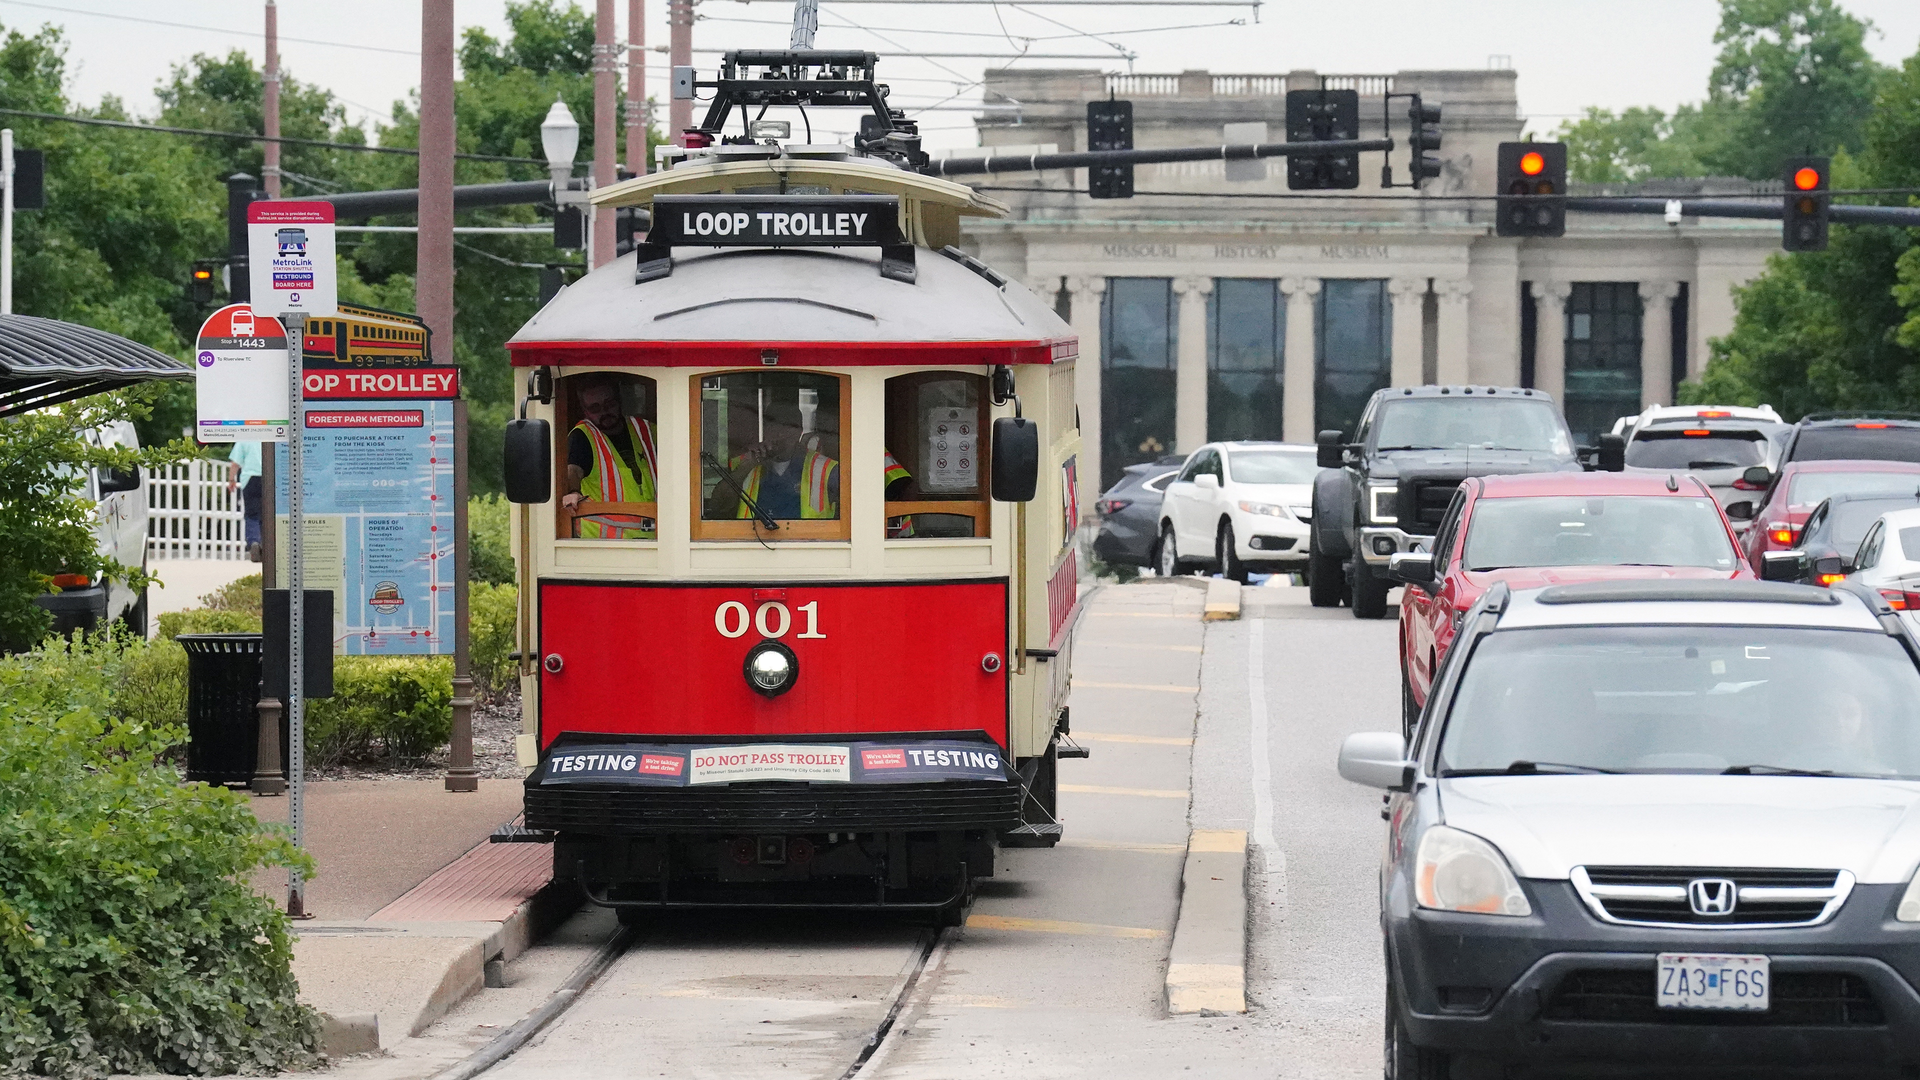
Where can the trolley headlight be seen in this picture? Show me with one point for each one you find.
(1457, 871)
(771, 668)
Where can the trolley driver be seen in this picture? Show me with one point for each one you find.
(786, 478)
(609, 459)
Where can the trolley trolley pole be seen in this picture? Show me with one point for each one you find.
(291, 274)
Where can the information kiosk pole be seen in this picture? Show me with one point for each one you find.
(296, 323)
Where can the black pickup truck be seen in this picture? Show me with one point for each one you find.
(1386, 491)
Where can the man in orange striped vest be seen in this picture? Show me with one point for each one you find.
(785, 476)
(610, 458)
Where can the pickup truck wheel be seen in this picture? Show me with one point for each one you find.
(1326, 582)
(1369, 592)
(1227, 557)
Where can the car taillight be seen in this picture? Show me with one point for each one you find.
(1713, 414)
(1781, 534)
(1113, 506)
(1900, 600)
(1697, 433)
(1828, 579)
(1871, 427)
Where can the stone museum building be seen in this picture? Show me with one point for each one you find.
(1216, 304)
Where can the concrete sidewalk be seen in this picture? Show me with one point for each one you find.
(409, 901)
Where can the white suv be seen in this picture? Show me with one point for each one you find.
(1238, 507)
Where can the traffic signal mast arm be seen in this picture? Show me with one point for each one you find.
(1087, 158)
(1903, 216)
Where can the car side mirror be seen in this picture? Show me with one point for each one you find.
(118, 480)
(1376, 759)
(1411, 567)
(1613, 453)
(1757, 475)
(1016, 459)
(1740, 511)
(1331, 452)
(1207, 482)
(529, 464)
(1783, 566)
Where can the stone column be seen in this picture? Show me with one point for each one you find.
(1409, 303)
(1190, 370)
(1296, 426)
(1086, 292)
(1550, 337)
(1656, 342)
(1454, 351)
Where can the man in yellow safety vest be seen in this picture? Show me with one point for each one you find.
(610, 458)
(783, 474)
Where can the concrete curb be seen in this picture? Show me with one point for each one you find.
(1223, 600)
(354, 1033)
(1207, 968)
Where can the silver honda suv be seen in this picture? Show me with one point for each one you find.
(1668, 824)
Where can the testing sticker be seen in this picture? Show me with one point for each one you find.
(655, 765)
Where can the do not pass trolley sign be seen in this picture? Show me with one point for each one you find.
(240, 378)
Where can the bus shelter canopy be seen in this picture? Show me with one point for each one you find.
(45, 362)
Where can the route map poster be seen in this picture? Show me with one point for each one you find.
(379, 523)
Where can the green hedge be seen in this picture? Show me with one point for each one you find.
(130, 941)
(382, 706)
(489, 540)
(492, 613)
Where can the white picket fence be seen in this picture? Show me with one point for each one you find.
(192, 514)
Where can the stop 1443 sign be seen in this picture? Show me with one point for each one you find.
(240, 377)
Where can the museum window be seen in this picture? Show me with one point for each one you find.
(1603, 356)
(608, 462)
(1137, 381)
(937, 473)
(1246, 349)
(768, 447)
(1352, 332)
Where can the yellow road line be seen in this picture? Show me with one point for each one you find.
(1227, 840)
(1055, 926)
(1137, 614)
(1168, 687)
(1122, 845)
(1151, 740)
(1085, 646)
(1145, 793)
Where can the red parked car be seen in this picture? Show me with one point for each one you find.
(1542, 529)
(1780, 514)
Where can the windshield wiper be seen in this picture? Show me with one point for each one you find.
(1709, 464)
(1773, 770)
(1409, 446)
(1528, 768)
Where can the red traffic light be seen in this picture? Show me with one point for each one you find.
(1532, 163)
(1806, 178)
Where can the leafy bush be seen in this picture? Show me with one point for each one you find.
(130, 941)
(242, 595)
(207, 621)
(492, 613)
(152, 688)
(489, 540)
(391, 706)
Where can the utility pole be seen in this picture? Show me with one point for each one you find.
(679, 54)
(606, 62)
(6, 222)
(636, 109)
(433, 291)
(271, 78)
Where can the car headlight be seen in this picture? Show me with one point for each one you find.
(1380, 499)
(1268, 509)
(1909, 909)
(1457, 871)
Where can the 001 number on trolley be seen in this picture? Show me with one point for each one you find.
(771, 619)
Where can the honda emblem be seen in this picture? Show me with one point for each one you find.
(1711, 896)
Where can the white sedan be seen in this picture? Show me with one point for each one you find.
(1237, 507)
(1889, 560)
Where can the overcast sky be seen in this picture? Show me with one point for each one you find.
(1568, 55)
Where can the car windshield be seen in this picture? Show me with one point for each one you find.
(1464, 423)
(1271, 467)
(1814, 488)
(1878, 442)
(1611, 530)
(1686, 699)
(1676, 449)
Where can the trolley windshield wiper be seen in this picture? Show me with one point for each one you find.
(764, 517)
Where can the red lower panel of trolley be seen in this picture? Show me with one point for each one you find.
(671, 659)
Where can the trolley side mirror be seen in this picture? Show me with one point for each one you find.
(1016, 459)
(529, 461)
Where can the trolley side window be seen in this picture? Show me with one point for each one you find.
(767, 447)
(608, 460)
(936, 461)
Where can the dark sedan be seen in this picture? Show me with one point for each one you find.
(1835, 528)
(1130, 512)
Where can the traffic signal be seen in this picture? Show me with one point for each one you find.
(1424, 136)
(1323, 116)
(1804, 217)
(200, 285)
(1110, 127)
(1532, 179)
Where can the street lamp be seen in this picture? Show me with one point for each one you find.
(560, 138)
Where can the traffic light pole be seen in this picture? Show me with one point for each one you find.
(997, 163)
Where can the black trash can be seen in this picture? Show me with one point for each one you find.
(223, 708)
